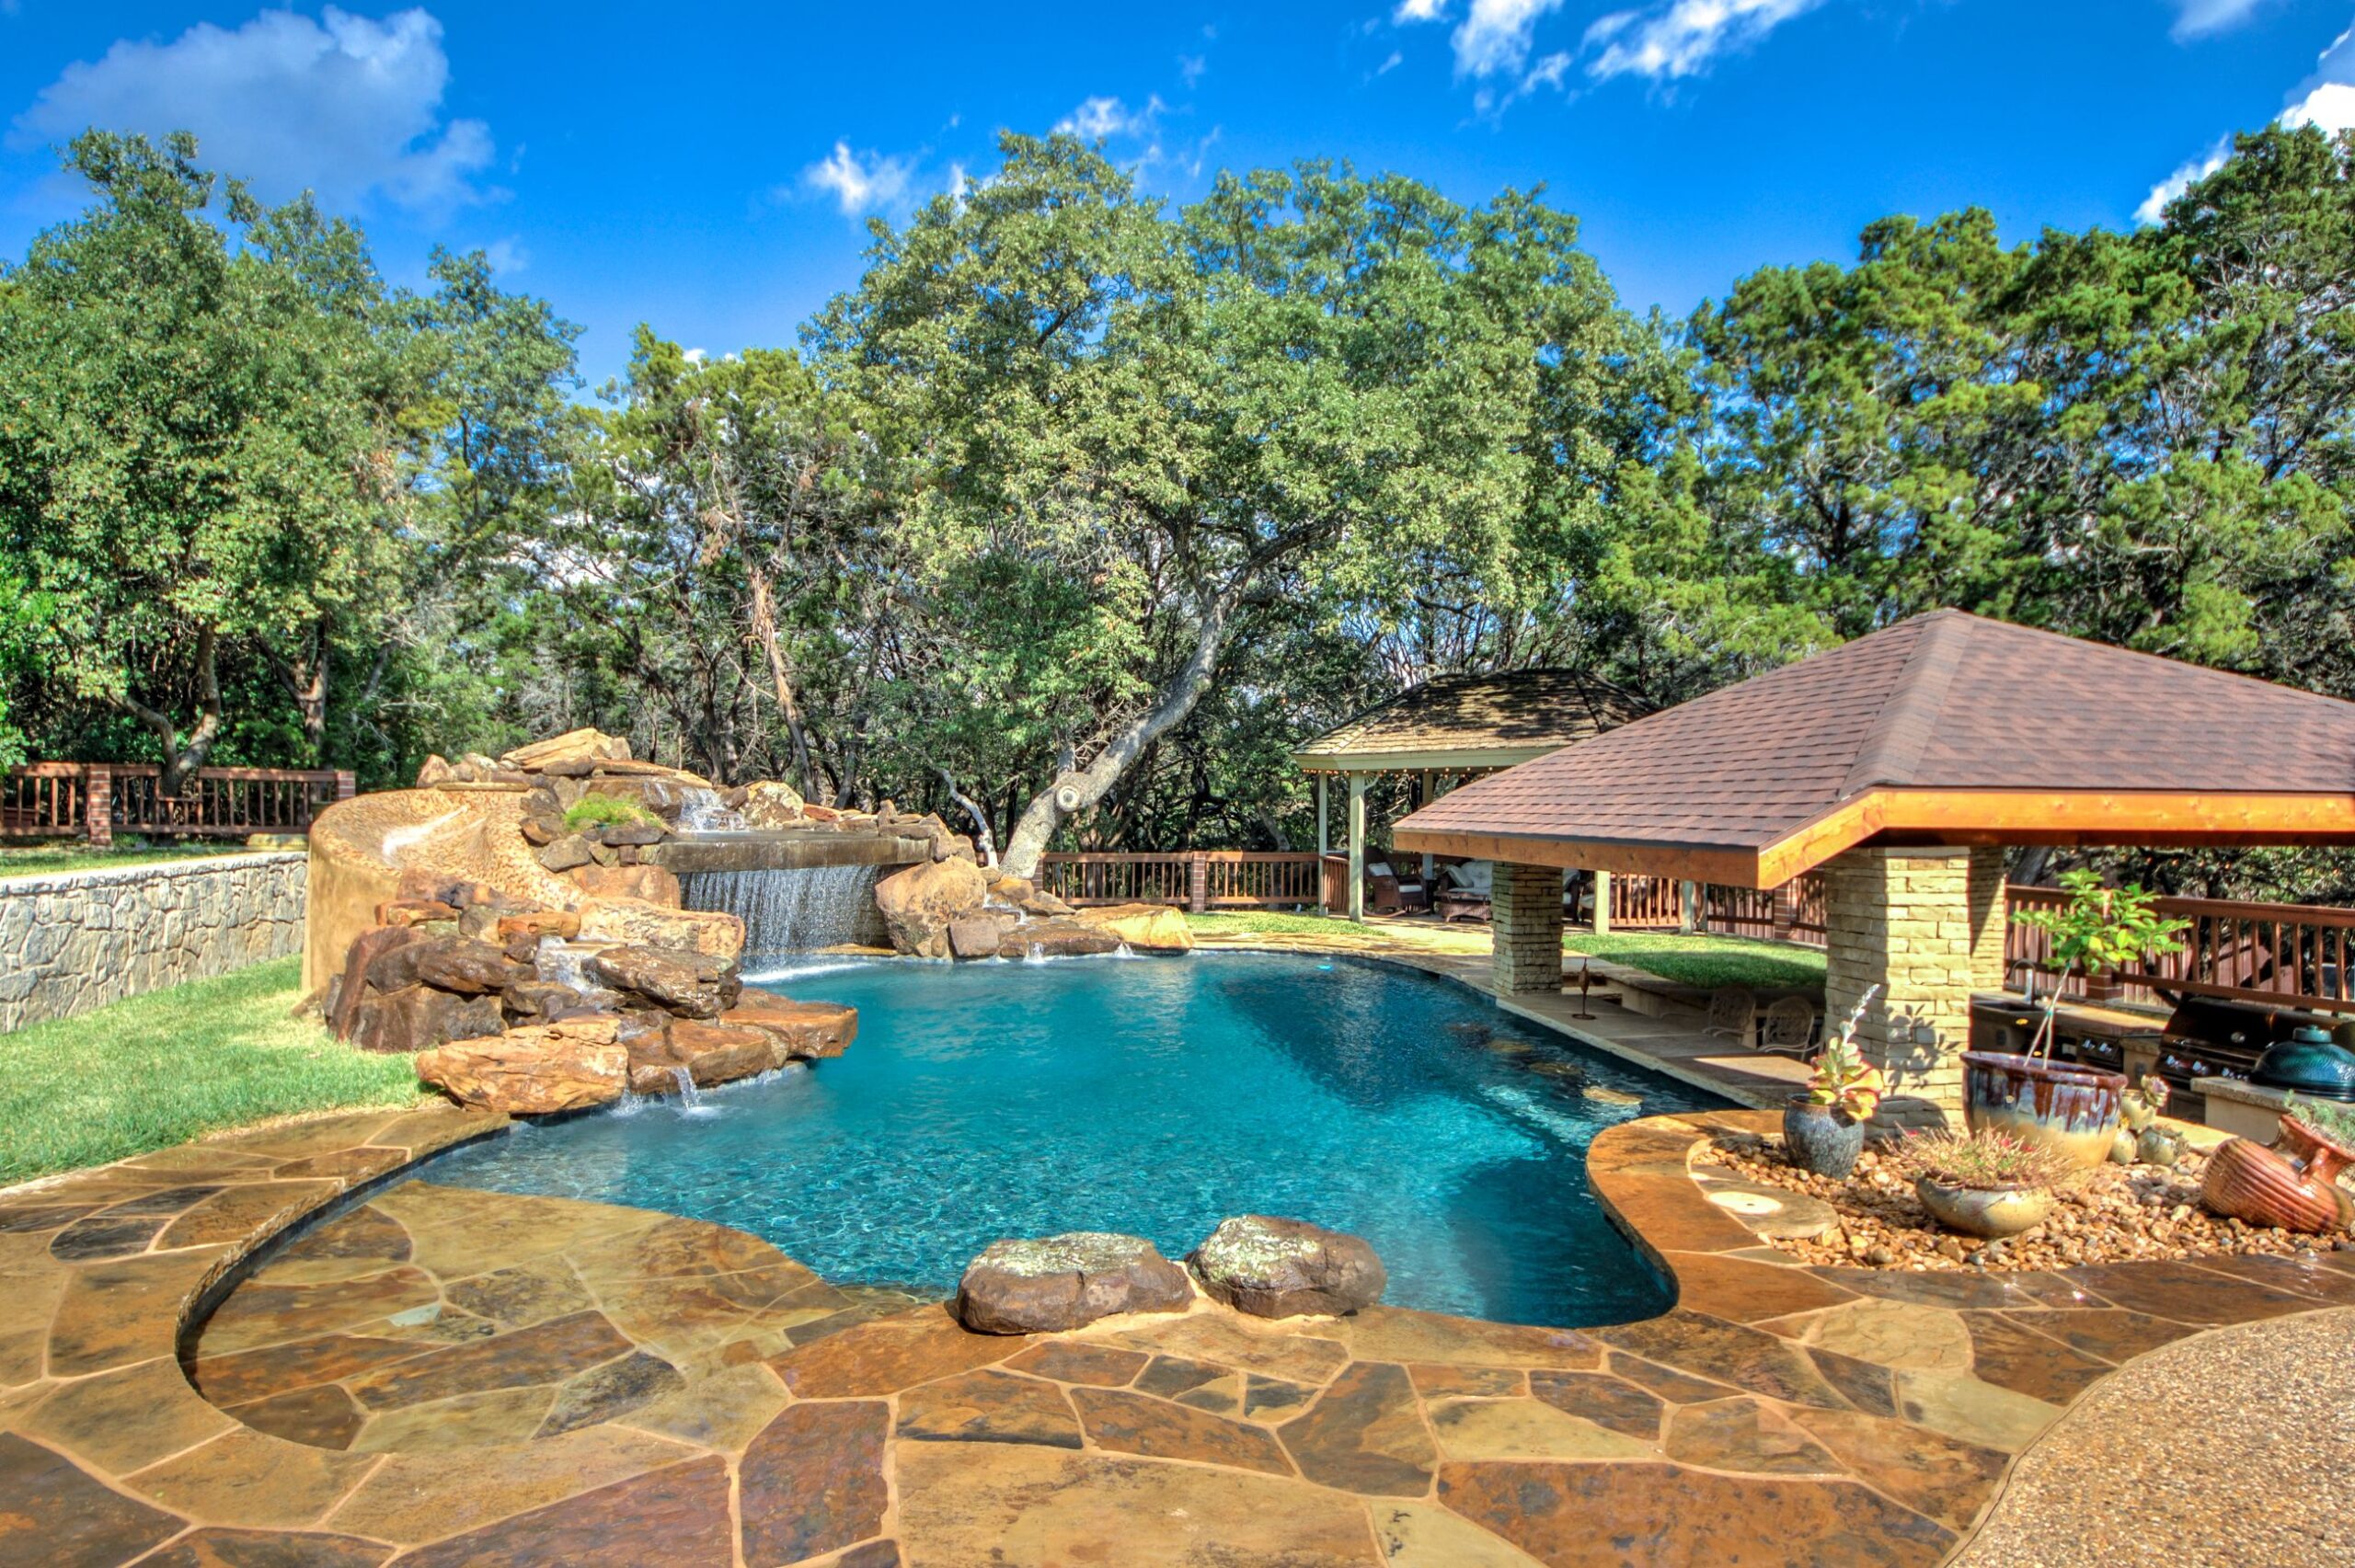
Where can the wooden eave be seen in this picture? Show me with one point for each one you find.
(2147, 818)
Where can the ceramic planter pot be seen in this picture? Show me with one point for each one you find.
(2003, 1212)
(2292, 1188)
(1821, 1138)
(2065, 1109)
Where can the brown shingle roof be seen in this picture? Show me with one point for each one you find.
(1944, 702)
(1506, 718)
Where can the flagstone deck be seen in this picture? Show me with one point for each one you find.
(440, 1375)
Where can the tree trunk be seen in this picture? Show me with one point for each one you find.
(764, 629)
(1076, 790)
(984, 839)
(305, 679)
(182, 759)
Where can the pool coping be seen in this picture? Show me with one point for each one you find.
(96, 1312)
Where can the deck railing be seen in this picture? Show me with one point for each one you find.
(1793, 913)
(99, 800)
(2296, 955)
(1646, 903)
(1199, 880)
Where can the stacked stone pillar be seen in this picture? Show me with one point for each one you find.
(1525, 908)
(1901, 919)
(1989, 920)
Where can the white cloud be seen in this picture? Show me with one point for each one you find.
(2197, 18)
(507, 257)
(1387, 66)
(1495, 35)
(344, 105)
(1548, 72)
(2326, 100)
(1418, 11)
(1100, 117)
(860, 185)
(2186, 176)
(1682, 37)
(1192, 67)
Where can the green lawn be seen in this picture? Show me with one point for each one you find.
(48, 860)
(164, 1068)
(1709, 961)
(1253, 922)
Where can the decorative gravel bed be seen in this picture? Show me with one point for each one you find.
(2111, 1214)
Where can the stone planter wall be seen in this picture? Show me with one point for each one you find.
(80, 939)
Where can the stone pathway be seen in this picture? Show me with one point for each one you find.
(440, 1376)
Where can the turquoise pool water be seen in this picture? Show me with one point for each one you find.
(1151, 1095)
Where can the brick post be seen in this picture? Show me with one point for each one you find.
(97, 805)
(1198, 881)
(1787, 910)
(1526, 907)
(1991, 924)
(1899, 919)
(345, 785)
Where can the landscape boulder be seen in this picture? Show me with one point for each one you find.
(533, 1072)
(573, 745)
(1283, 1268)
(1025, 895)
(798, 1031)
(676, 979)
(647, 884)
(366, 948)
(720, 1053)
(1054, 1283)
(565, 853)
(922, 902)
(416, 1018)
(769, 804)
(460, 965)
(1061, 938)
(715, 935)
(539, 1001)
(1148, 928)
(975, 936)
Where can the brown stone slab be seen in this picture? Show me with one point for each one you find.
(247, 1478)
(2111, 1333)
(112, 1314)
(1424, 1535)
(251, 1375)
(2013, 1357)
(421, 1497)
(1069, 1361)
(813, 1481)
(349, 1167)
(871, 1554)
(239, 1213)
(1169, 1376)
(884, 1358)
(1606, 1401)
(1607, 1515)
(321, 1417)
(124, 1420)
(1744, 1292)
(675, 1514)
(2308, 1274)
(989, 1406)
(366, 1241)
(1740, 1433)
(1526, 1429)
(1446, 1380)
(1396, 1334)
(974, 1503)
(453, 1231)
(602, 1393)
(1273, 1399)
(1864, 1384)
(1296, 1351)
(723, 1409)
(2185, 1292)
(674, 1247)
(519, 1296)
(52, 1512)
(260, 1313)
(28, 1219)
(321, 1135)
(1671, 1215)
(106, 1235)
(1954, 1288)
(1676, 1387)
(545, 1353)
(1364, 1434)
(163, 1202)
(267, 1549)
(1943, 1477)
(499, 1418)
(1744, 1357)
(1152, 1428)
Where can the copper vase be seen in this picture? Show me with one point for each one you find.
(2293, 1191)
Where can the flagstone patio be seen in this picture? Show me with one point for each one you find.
(438, 1375)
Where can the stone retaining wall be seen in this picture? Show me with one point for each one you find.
(82, 939)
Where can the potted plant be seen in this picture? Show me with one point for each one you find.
(1983, 1183)
(1823, 1130)
(2294, 1184)
(2072, 1110)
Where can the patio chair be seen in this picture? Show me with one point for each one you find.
(1789, 1029)
(1733, 1012)
(1467, 892)
(1385, 893)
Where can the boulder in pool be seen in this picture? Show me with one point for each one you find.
(1285, 1268)
(1050, 1283)
(800, 1031)
(673, 979)
(533, 1072)
(920, 904)
(1148, 928)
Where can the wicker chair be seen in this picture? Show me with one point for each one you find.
(1789, 1029)
(1733, 1012)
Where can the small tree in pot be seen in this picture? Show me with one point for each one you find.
(1823, 1130)
(2073, 1111)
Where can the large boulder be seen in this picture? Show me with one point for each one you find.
(921, 903)
(800, 1031)
(1065, 1282)
(715, 1053)
(717, 936)
(1282, 1268)
(533, 1072)
(573, 745)
(352, 989)
(1148, 928)
(417, 1017)
(1026, 896)
(467, 967)
(1066, 938)
(975, 936)
(769, 804)
(674, 979)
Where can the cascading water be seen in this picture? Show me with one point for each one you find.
(702, 811)
(794, 912)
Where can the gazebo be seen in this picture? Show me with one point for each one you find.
(1902, 764)
(1450, 729)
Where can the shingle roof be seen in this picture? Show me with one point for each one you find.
(1942, 702)
(1505, 717)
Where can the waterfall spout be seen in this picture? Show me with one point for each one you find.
(702, 811)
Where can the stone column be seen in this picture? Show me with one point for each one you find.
(1356, 847)
(1526, 918)
(1899, 919)
(1989, 920)
(1602, 903)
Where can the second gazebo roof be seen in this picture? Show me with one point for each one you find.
(1472, 722)
(1943, 729)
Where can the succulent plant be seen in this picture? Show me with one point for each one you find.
(1842, 1077)
(2333, 1121)
(1985, 1161)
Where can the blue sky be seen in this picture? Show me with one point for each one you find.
(709, 168)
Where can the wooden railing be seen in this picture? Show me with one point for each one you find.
(2297, 955)
(99, 800)
(1646, 903)
(1793, 913)
(1192, 879)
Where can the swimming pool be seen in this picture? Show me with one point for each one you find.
(1154, 1096)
